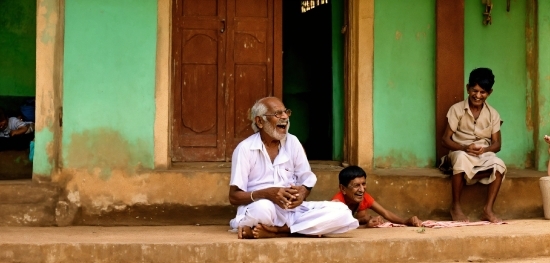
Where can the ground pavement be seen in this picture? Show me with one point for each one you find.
(516, 241)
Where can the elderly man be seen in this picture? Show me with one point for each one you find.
(271, 178)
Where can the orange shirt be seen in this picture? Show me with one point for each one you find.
(365, 204)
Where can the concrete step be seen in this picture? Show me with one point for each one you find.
(26, 203)
(516, 241)
(425, 193)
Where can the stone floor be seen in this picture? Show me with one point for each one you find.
(516, 241)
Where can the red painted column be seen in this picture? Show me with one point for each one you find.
(449, 62)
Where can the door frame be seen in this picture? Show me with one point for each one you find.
(358, 142)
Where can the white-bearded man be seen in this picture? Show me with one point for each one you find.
(271, 178)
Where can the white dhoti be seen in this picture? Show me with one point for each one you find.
(471, 165)
(310, 218)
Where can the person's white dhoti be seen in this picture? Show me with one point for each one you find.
(310, 218)
(471, 165)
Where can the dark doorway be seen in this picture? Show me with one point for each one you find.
(307, 76)
(17, 83)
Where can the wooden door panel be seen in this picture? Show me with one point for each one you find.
(250, 64)
(247, 76)
(252, 8)
(193, 8)
(250, 47)
(199, 86)
(198, 91)
(219, 74)
(199, 96)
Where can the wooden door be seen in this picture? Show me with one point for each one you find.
(227, 54)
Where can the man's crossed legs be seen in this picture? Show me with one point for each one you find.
(263, 219)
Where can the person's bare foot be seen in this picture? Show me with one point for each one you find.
(245, 232)
(547, 139)
(457, 215)
(491, 217)
(263, 231)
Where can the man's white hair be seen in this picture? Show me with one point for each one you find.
(259, 109)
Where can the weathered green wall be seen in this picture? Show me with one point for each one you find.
(501, 46)
(17, 47)
(109, 84)
(543, 92)
(404, 83)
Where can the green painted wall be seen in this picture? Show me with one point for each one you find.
(502, 47)
(17, 47)
(337, 19)
(404, 83)
(543, 92)
(109, 84)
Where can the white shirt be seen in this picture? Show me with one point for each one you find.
(251, 167)
(13, 124)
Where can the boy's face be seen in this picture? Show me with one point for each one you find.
(354, 191)
(477, 95)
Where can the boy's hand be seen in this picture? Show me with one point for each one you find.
(375, 221)
(414, 221)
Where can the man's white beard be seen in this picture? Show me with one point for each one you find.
(271, 130)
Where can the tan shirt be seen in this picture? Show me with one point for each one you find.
(467, 130)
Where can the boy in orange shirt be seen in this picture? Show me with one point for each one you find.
(353, 184)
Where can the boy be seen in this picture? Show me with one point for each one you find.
(353, 193)
(473, 138)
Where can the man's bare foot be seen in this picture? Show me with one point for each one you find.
(457, 215)
(263, 231)
(547, 139)
(245, 232)
(491, 217)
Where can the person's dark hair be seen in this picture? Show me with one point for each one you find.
(2, 115)
(483, 77)
(349, 173)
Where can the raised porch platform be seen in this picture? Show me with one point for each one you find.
(517, 241)
(423, 192)
(203, 188)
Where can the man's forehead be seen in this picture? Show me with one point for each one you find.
(358, 180)
(273, 103)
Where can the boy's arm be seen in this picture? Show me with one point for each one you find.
(21, 130)
(447, 141)
(362, 217)
(390, 216)
(368, 220)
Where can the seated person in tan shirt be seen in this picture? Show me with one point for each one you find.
(353, 186)
(473, 137)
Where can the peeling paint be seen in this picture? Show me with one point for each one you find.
(48, 31)
(401, 159)
(398, 35)
(74, 197)
(105, 150)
